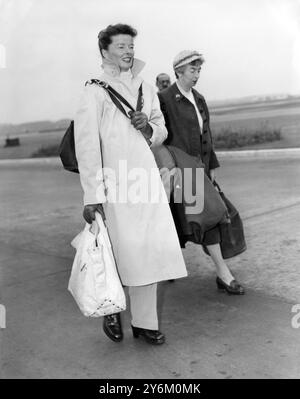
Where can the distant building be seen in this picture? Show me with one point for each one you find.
(12, 142)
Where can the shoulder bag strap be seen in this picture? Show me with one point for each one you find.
(140, 100)
(117, 98)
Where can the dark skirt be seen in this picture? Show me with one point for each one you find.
(212, 236)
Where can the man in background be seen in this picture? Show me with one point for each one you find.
(163, 81)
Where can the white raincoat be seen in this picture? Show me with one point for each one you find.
(143, 234)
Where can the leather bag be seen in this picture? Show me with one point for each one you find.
(232, 234)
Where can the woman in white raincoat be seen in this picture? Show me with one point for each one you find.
(114, 151)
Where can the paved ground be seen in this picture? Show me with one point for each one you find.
(209, 335)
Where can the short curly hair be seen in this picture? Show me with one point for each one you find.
(105, 35)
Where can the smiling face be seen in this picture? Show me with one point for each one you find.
(188, 75)
(120, 51)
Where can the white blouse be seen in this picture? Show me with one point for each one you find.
(189, 95)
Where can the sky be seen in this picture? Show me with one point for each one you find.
(48, 48)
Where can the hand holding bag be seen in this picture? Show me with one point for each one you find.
(94, 281)
(232, 234)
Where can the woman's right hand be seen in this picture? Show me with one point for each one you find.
(90, 210)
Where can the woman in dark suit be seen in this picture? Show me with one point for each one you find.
(187, 121)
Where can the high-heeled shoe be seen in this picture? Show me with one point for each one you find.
(112, 327)
(153, 337)
(234, 288)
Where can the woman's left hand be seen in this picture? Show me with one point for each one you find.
(212, 175)
(139, 120)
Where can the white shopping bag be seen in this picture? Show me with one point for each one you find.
(94, 281)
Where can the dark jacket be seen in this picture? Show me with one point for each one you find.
(183, 126)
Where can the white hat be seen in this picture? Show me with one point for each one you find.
(185, 57)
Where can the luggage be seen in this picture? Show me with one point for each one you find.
(232, 234)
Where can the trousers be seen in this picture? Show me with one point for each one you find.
(143, 306)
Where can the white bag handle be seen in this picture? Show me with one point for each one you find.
(100, 224)
(97, 226)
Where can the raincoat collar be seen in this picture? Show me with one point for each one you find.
(113, 70)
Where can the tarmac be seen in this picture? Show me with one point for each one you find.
(208, 334)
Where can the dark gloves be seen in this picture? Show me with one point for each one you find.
(90, 210)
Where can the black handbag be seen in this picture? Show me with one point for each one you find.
(67, 150)
(232, 234)
(67, 146)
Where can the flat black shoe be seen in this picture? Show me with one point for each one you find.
(153, 337)
(234, 288)
(112, 327)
